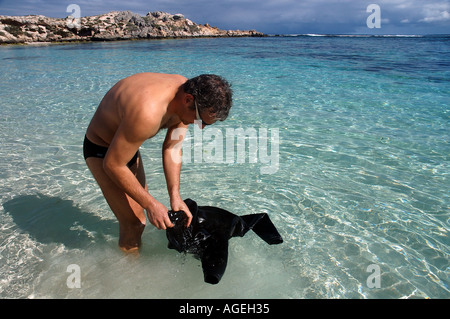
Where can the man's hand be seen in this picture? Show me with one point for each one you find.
(178, 204)
(158, 216)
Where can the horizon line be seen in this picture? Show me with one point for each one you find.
(265, 33)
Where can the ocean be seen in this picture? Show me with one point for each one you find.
(345, 144)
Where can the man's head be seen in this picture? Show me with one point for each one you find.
(212, 95)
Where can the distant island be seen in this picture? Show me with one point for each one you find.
(116, 25)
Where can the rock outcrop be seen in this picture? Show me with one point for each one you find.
(116, 25)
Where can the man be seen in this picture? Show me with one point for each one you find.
(134, 110)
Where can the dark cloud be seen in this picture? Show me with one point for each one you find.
(269, 16)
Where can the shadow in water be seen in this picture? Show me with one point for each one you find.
(54, 220)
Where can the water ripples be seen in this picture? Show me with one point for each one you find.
(362, 179)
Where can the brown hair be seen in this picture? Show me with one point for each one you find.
(212, 93)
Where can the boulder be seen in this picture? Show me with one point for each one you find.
(115, 25)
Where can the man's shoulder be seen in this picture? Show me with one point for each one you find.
(155, 75)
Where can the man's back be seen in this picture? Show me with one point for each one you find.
(133, 99)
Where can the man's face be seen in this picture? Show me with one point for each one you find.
(203, 119)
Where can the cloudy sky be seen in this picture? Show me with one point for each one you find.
(269, 16)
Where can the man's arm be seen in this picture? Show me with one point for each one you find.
(127, 140)
(172, 167)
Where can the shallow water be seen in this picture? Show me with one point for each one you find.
(361, 179)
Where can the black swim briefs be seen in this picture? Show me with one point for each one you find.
(93, 150)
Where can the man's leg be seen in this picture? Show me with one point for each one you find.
(131, 215)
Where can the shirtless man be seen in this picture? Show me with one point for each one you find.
(134, 110)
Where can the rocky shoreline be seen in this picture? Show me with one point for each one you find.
(112, 26)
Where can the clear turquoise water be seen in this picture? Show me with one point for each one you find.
(362, 177)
